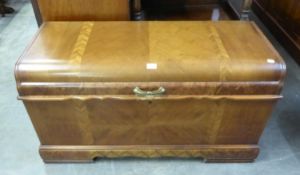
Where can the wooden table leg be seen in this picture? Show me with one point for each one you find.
(245, 12)
(138, 13)
(4, 9)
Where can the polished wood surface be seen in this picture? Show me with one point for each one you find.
(222, 79)
(173, 88)
(283, 20)
(228, 126)
(82, 10)
(120, 51)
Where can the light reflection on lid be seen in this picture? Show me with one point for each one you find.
(271, 61)
(151, 66)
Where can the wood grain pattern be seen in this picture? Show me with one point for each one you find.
(150, 121)
(83, 10)
(173, 88)
(158, 121)
(80, 44)
(181, 55)
(219, 90)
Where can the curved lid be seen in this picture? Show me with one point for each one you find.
(229, 51)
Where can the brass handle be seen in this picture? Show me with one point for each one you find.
(140, 92)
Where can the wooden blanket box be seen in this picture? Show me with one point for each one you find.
(149, 89)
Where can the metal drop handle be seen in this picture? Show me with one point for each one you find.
(141, 92)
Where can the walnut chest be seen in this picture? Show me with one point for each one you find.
(149, 89)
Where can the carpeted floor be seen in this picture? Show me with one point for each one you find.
(280, 143)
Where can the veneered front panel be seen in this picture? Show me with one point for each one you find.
(131, 120)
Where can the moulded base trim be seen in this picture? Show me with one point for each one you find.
(210, 153)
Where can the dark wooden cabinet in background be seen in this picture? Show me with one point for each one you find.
(283, 19)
